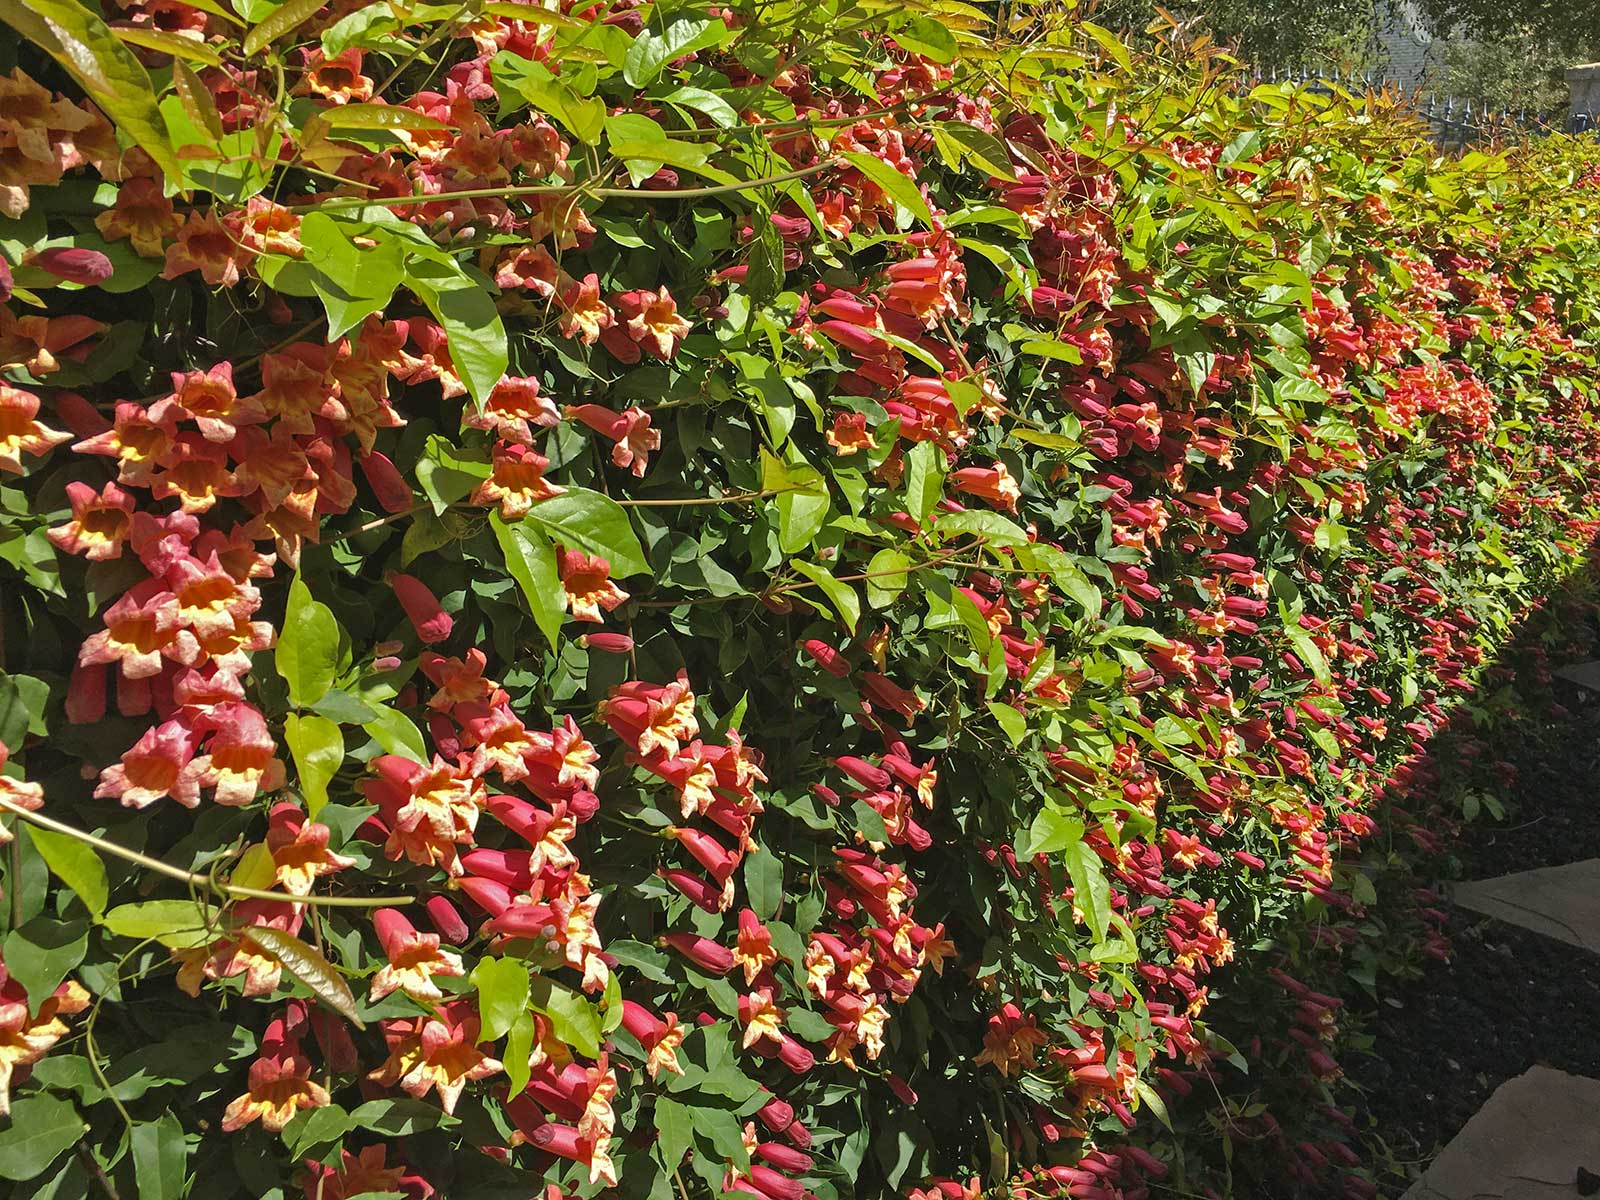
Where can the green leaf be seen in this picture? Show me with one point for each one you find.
(764, 279)
(929, 38)
(352, 280)
(160, 1158)
(924, 479)
(22, 704)
(650, 52)
(674, 1123)
(176, 924)
(580, 519)
(802, 501)
(399, 1117)
(531, 559)
(397, 733)
(899, 188)
(992, 527)
(1091, 891)
(1052, 830)
(43, 952)
(1308, 652)
(869, 821)
(723, 1130)
(983, 150)
(712, 105)
(471, 322)
(318, 748)
(282, 20)
(307, 653)
(502, 985)
(42, 1128)
(308, 965)
(888, 573)
(75, 864)
(841, 595)
(573, 1019)
(763, 881)
(169, 43)
(106, 69)
(314, 1129)
(376, 116)
(1012, 723)
(519, 1048)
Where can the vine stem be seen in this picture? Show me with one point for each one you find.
(722, 189)
(226, 890)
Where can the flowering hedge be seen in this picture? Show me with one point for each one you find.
(748, 600)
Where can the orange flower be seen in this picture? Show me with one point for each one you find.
(527, 267)
(630, 430)
(297, 386)
(436, 1053)
(195, 471)
(760, 1016)
(270, 228)
(337, 79)
(753, 951)
(208, 399)
(155, 766)
(25, 1038)
(138, 443)
(18, 793)
(299, 847)
(516, 482)
(240, 763)
(850, 434)
(142, 628)
(100, 522)
(414, 959)
(362, 1174)
(584, 315)
(280, 1085)
(142, 215)
(240, 955)
(993, 484)
(653, 321)
(586, 581)
(459, 681)
(1011, 1041)
(273, 465)
(577, 934)
(20, 433)
(36, 145)
(210, 245)
(31, 342)
(430, 809)
(512, 410)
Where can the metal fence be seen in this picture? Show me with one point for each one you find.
(1453, 121)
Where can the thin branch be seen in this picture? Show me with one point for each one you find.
(225, 890)
(722, 189)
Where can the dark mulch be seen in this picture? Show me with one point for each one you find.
(1509, 998)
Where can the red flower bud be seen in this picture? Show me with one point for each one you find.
(430, 621)
(447, 920)
(391, 488)
(704, 953)
(610, 643)
(72, 264)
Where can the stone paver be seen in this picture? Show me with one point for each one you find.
(1529, 1142)
(1560, 902)
(1585, 675)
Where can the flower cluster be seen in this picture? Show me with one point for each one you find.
(603, 602)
